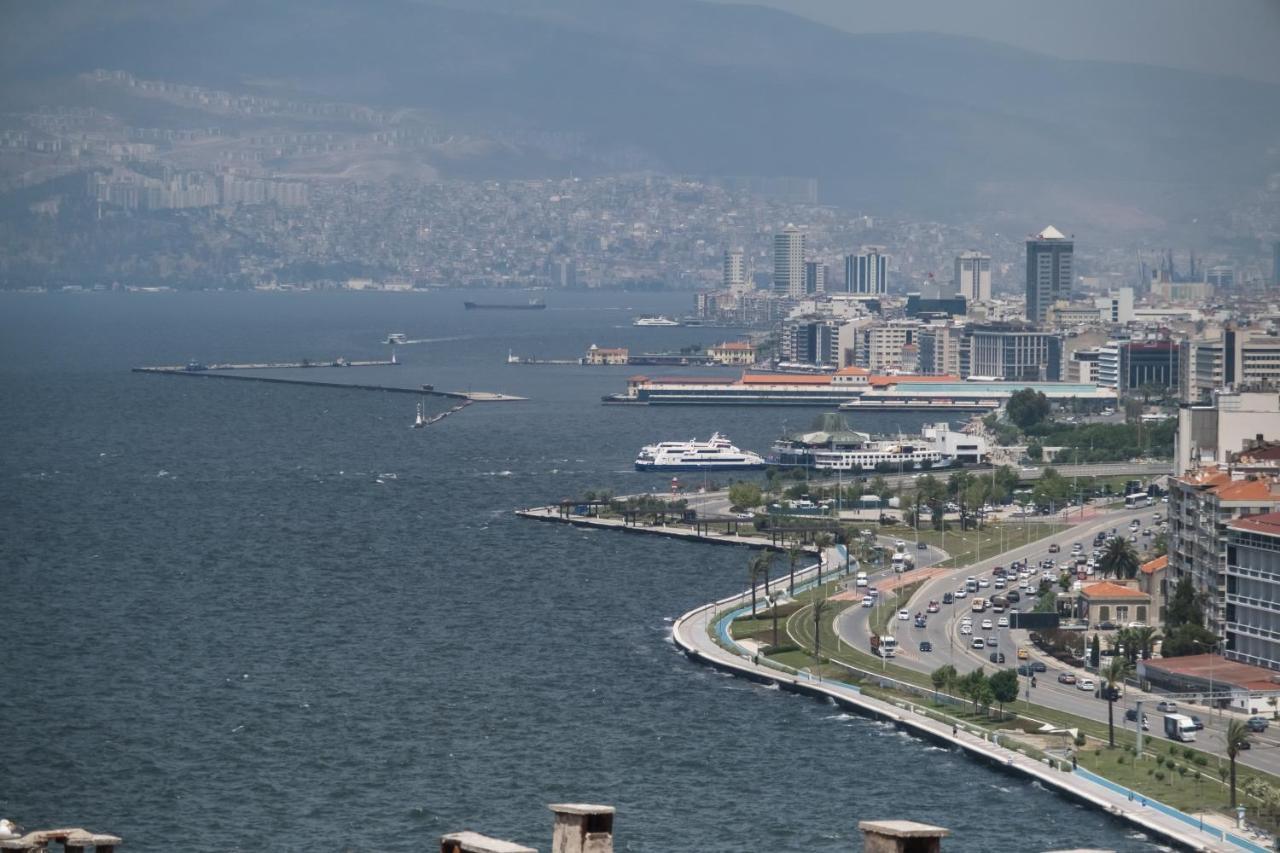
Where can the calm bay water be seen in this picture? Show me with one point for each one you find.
(246, 614)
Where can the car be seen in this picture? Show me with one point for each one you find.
(1197, 722)
(1132, 716)
(986, 624)
(926, 646)
(873, 592)
(1244, 744)
(1148, 532)
(1065, 677)
(903, 615)
(996, 657)
(948, 598)
(1106, 626)
(991, 642)
(922, 546)
(1257, 724)
(1166, 706)
(1025, 670)
(983, 583)
(998, 583)
(920, 621)
(1023, 654)
(978, 643)
(961, 592)
(1002, 622)
(1013, 595)
(932, 608)
(1133, 538)
(966, 629)
(1055, 548)
(868, 601)
(1086, 684)
(1038, 666)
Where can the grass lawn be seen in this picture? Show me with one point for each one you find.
(972, 545)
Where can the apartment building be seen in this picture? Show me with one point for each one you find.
(1252, 613)
(1203, 503)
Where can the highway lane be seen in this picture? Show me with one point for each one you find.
(949, 646)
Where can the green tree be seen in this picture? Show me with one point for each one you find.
(972, 686)
(820, 608)
(943, 676)
(1113, 676)
(1095, 652)
(1119, 558)
(1027, 408)
(1007, 480)
(794, 553)
(1004, 687)
(744, 495)
(1185, 607)
(1237, 737)
(1144, 639)
(879, 487)
(1160, 544)
(1188, 639)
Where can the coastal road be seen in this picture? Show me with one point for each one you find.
(950, 646)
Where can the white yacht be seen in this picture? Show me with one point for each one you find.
(654, 321)
(396, 338)
(717, 453)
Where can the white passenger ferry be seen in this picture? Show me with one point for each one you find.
(717, 453)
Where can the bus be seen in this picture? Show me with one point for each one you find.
(1137, 500)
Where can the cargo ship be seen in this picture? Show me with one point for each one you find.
(532, 305)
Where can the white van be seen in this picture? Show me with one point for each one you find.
(860, 579)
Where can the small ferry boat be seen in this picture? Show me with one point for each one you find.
(654, 321)
(717, 453)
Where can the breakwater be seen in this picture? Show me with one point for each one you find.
(231, 372)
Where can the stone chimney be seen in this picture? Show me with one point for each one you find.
(581, 828)
(901, 836)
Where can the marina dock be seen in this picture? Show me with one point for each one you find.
(231, 371)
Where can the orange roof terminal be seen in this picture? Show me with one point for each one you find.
(1268, 523)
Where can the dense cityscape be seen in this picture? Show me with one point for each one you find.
(998, 333)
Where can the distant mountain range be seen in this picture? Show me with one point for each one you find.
(883, 121)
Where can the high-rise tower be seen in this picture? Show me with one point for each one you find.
(1049, 272)
(788, 262)
(973, 276)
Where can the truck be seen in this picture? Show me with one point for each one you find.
(978, 605)
(999, 603)
(884, 647)
(1179, 727)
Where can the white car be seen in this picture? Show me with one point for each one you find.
(978, 643)
(1086, 684)
(1002, 622)
(961, 592)
(966, 629)
(983, 583)
(868, 601)
(903, 615)
(986, 624)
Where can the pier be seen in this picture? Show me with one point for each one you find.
(231, 371)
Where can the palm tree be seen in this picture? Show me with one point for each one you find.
(766, 563)
(823, 541)
(755, 568)
(794, 553)
(1237, 735)
(820, 607)
(1144, 640)
(1119, 558)
(1113, 674)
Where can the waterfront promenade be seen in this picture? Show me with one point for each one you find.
(696, 633)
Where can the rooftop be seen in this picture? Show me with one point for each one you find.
(1268, 523)
(1152, 566)
(1218, 669)
(1107, 591)
(1051, 233)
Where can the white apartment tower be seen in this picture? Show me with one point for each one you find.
(973, 276)
(735, 270)
(788, 263)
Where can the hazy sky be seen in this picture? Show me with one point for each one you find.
(1239, 37)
